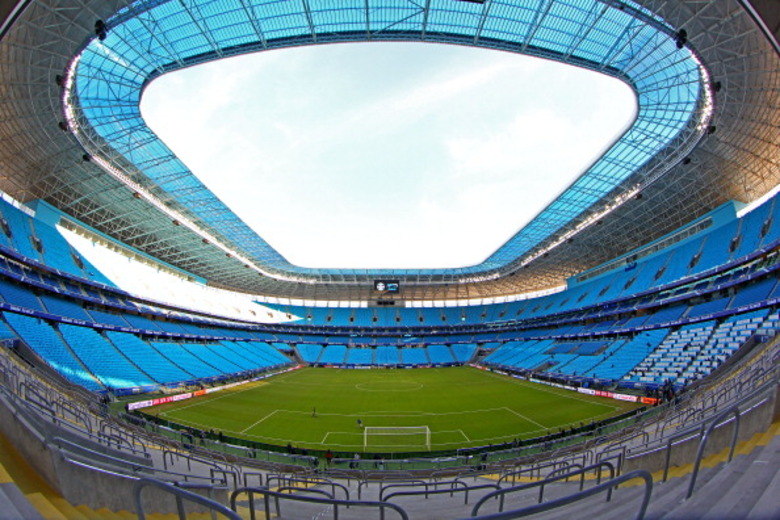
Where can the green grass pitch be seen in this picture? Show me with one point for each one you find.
(461, 406)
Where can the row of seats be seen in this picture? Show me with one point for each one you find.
(41, 242)
(584, 358)
(695, 350)
(120, 360)
(99, 359)
(385, 355)
(653, 357)
(767, 288)
(701, 252)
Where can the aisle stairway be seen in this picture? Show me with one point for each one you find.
(24, 495)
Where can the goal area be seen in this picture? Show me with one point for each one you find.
(413, 437)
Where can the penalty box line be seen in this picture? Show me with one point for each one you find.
(325, 437)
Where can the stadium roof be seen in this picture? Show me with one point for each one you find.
(705, 74)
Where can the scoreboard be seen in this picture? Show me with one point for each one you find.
(387, 286)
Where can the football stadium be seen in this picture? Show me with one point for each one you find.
(616, 357)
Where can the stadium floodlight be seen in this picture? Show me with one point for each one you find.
(396, 437)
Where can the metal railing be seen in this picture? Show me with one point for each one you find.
(290, 482)
(700, 429)
(428, 485)
(533, 469)
(180, 495)
(465, 489)
(736, 410)
(410, 480)
(554, 476)
(278, 496)
(576, 497)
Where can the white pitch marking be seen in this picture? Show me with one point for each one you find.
(211, 399)
(258, 422)
(524, 417)
(549, 390)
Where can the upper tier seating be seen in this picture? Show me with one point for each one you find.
(715, 246)
(561, 334)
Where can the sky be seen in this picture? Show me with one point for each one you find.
(387, 155)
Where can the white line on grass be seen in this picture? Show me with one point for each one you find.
(212, 399)
(464, 436)
(541, 388)
(258, 422)
(524, 417)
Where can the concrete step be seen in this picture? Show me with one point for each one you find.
(13, 504)
(107, 514)
(766, 507)
(740, 498)
(88, 512)
(66, 509)
(730, 489)
(48, 510)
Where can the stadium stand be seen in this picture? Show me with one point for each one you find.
(108, 365)
(160, 368)
(45, 340)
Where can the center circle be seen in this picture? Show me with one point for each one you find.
(389, 386)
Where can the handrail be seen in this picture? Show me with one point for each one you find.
(621, 456)
(71, 447)
(453, 483)
(703, 433)
(117, 440)
(501, 493)
(267, 493)
(580, 495)
(192, 458)
(569, 472)
(185, 476)
(427, 492)
(367, 482)
(720, 419)
(181, 495)
(225, 473)
(531, 469)
(288, 490)
(248, 474)
(314, 481)
(121, 432)
(100, 438)
(670, 442)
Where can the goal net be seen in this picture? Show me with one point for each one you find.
(409, 437)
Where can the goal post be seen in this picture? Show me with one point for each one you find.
(413, 437)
